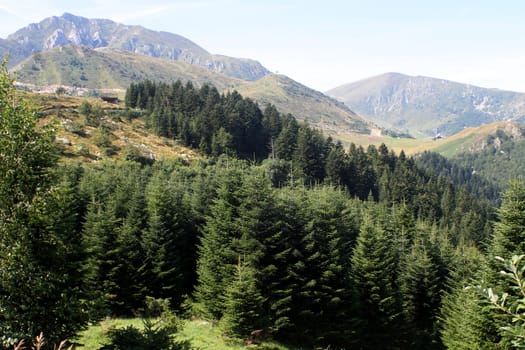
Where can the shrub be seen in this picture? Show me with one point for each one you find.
(131, 338)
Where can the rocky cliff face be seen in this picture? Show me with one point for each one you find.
(423, 106)
(69, 29)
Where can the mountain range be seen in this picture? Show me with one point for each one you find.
(96, 54)
(83, 53)
(424, 106)
(69, 29)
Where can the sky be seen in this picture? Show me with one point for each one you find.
(327, 43)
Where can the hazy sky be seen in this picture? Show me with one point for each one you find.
(327, 43)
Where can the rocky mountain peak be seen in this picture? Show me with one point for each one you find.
(69, 29)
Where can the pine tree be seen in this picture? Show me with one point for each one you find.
(310, 156)
(216, 255)
(286, 143)
(374, 271)
(243, 304)
(99, 236)
(168, 242)
(323, 308)
(509, 231)
(337, 166)
(363, 176)
(281, 276)
(464, 321)
(508, 240)
(420, 285)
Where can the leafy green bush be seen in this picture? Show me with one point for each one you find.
(511, 303)
(156, 335)
(132, 338)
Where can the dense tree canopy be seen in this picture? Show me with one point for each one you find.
(43, 284)
(276, 228)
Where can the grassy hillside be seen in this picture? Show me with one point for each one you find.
(110, 135)
(468, 140)
(82, 69)
(306, 104)
(128, 136)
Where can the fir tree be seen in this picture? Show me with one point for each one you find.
(420, 285)
(464, 322)
(337, 166)
(374, 270)
(216, 255)
(323, 308)
(168, 241)
(509, 231)
(243, 304)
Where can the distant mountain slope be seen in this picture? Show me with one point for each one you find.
(499, 156)
(421, 105)
(82, 67)
(69, 29)
(292, 97)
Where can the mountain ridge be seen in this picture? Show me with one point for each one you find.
(69, 29)
(425, 106)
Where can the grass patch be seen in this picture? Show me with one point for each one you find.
(200, 334)
(95, 336)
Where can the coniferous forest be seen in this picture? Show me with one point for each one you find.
(276, 228)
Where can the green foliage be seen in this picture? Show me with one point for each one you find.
(509, 231)
(420, 284)
(42, 274)
(201, 118)
(339, 249)
(486, 328)
(462, 173)
(503, 150)
(216, 254)
(243, 306)
(85, 109)
(511, 303)
(374, 273)
(102, 137)
(152, 337)
(60, 91)
(310, 154)
(321, 308)
(159, 329)
(169, 240)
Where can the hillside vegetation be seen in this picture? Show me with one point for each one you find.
(89, 129)
(81, 70)
(85, 68)
(276, 232)
(306, 104)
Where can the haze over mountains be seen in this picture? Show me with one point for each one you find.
(421, 105)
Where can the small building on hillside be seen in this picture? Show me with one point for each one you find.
(110, 99)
